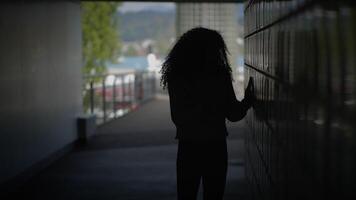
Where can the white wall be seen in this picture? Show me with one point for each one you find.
(40, 82)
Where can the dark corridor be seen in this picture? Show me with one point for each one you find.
(298, 141)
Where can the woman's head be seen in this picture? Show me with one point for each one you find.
(198, 53)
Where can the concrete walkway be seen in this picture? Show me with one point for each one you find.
(130, 158)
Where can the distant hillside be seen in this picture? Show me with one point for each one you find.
(136, 26)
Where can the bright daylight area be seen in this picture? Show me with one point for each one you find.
(124, 45)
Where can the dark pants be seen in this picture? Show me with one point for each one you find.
(201, 160)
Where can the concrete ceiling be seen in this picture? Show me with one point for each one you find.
(180, 1)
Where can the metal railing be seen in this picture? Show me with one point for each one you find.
(109, 96)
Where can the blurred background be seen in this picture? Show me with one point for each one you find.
(123, 52)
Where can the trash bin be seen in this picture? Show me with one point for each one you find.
(86, 127)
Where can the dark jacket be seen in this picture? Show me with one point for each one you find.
(199, 108)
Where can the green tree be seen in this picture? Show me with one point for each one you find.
(100, 35)
(100, 42)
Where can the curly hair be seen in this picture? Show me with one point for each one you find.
(198, 52)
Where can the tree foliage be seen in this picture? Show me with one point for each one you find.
(100, 35)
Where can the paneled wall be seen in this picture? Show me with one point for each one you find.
(40, 82)
(302, 130)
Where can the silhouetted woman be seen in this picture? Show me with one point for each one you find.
(198, 76)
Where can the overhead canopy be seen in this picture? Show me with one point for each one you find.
(179, 1)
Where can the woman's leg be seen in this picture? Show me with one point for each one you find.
(188, 171)
(214, 176)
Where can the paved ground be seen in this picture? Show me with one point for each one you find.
(130, 158)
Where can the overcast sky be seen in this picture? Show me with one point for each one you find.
(139, 6)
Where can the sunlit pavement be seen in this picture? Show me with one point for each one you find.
(130, 158)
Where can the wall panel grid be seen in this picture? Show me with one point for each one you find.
(216, 16)
(301, 138)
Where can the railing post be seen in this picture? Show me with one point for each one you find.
(144, 86)
(114, 97)
(91, 93)
(149, 81)
(134, 88)
(154, 82)
(130, 91)
(141, 92)
(104, 98)
(151, 84)
(122, 91)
